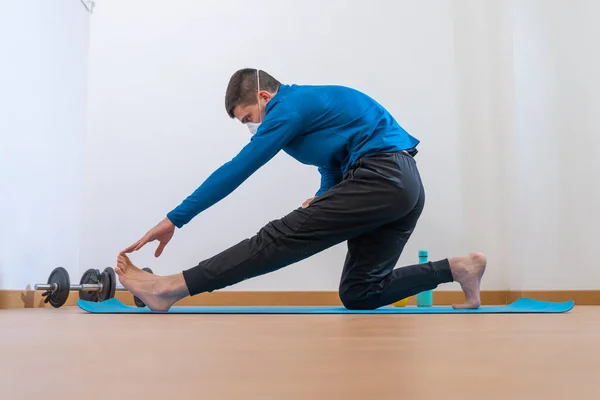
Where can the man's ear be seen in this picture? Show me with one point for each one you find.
(266, 96)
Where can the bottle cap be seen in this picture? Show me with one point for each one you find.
(423, 253)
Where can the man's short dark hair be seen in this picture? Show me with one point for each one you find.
(242, 89)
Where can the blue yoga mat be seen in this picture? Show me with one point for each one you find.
(522, 306)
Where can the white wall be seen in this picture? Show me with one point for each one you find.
(43, 48)
(485, 107)
(157, 125)
(503, 95)
(555, 222)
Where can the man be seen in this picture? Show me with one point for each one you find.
(370, 195)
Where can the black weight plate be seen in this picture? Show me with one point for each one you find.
(113, 282)
(108, 279)
(59, 276)
(91, 276)
(136, 300)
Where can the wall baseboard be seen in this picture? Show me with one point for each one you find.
(34, 299)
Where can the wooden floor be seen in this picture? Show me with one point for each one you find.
(67, 354)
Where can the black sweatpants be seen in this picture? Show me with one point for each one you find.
(375, 209)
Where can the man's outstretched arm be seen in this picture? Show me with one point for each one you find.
(273, 134)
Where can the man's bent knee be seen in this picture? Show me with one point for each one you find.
(359, 301)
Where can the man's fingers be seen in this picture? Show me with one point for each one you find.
(307, 202)
(130, 248)
(160, 249)
(139, 244)
(142, 242)
(136, 246)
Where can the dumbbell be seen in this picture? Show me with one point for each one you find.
(94, 277)
(93, 286)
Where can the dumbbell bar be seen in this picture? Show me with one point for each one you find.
(93, 286)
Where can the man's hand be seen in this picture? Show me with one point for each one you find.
(163, 232)
(307, 202)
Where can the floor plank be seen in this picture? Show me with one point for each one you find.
(67, 354)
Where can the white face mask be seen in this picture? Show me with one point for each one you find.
(253, 126)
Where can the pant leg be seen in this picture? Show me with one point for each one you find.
(369, 279)
(376, 191)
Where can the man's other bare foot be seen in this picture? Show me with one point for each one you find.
(159, 293)
(468, 271)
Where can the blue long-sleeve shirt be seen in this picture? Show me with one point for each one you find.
(329, 127)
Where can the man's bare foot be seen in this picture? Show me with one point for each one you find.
(468, 271)
(159, 293)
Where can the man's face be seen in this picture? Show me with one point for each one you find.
(253, 113)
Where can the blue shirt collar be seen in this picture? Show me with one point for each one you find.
(281, 93)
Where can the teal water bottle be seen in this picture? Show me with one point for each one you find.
(424, 299)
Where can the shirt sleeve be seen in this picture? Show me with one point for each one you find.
(329, 178)
(275, 131)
